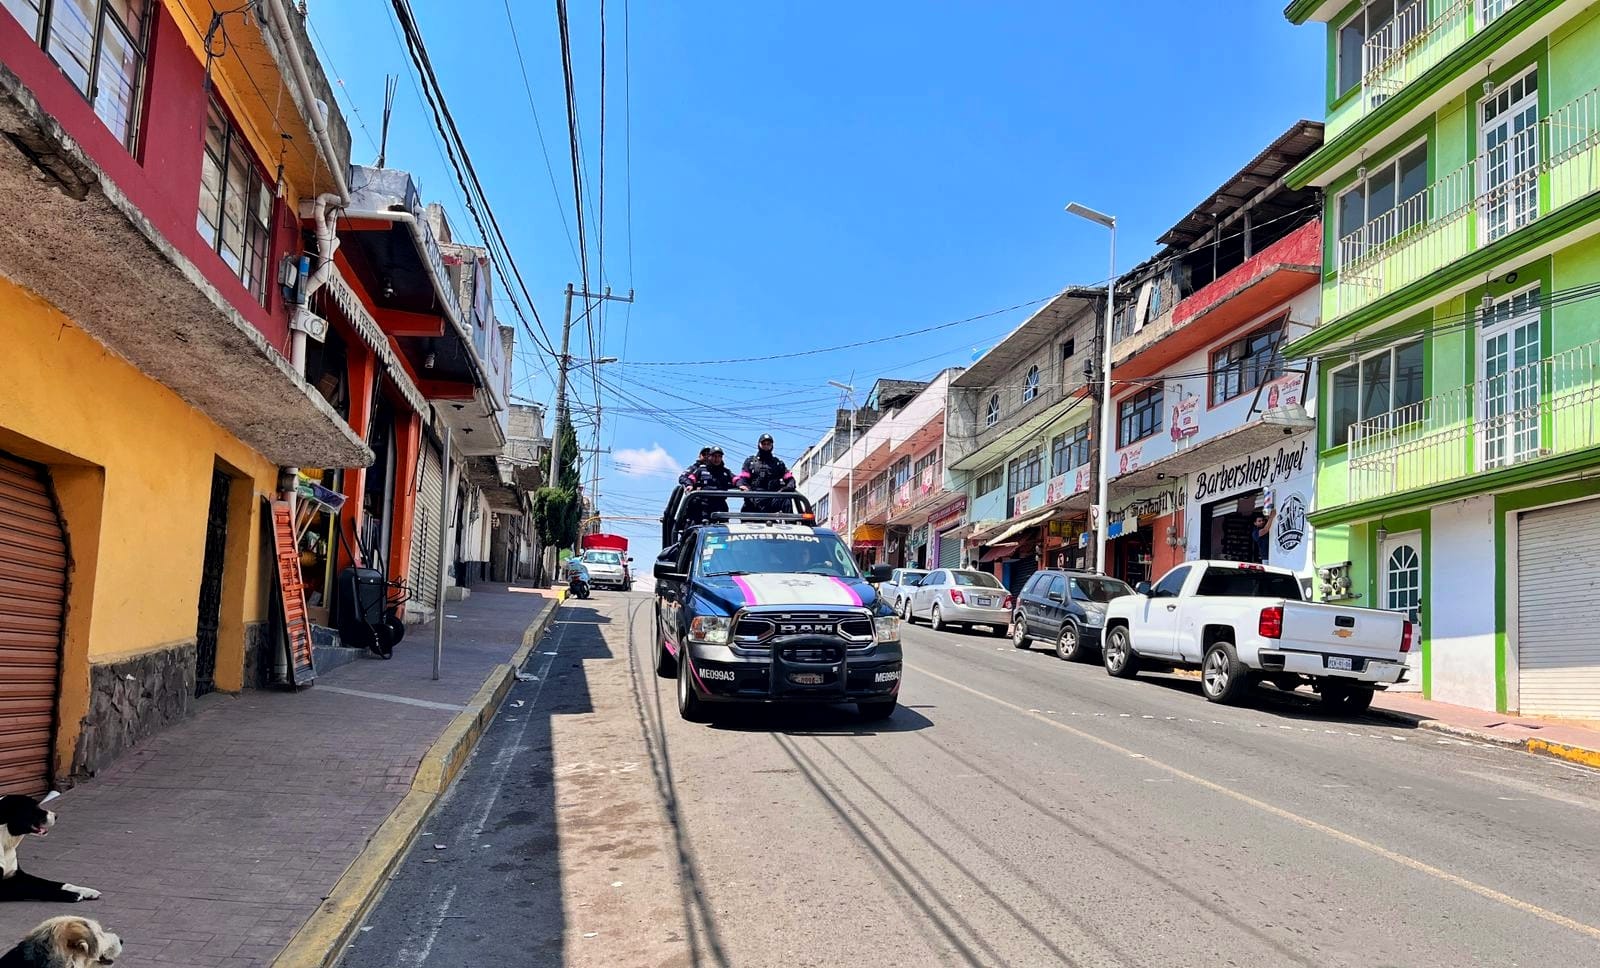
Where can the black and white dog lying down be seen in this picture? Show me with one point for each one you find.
(66, 942)
(21, 816)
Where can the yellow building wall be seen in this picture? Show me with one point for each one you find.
(131, 463)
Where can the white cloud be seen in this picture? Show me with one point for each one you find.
(653, 461)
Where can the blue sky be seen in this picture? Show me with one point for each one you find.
(808, 175)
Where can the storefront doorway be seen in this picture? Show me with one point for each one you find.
(1226, 530)
(1133, 555)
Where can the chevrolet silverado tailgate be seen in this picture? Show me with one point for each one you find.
(1341, 630)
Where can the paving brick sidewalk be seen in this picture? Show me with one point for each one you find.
(215, 840)
(1496, 727)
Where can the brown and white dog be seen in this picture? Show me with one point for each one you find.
(66, 942)
(21, 816)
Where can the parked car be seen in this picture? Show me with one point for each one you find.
(1242, 623)
(607, 569)
(897, 590)
(951, 596)
(1065, 608)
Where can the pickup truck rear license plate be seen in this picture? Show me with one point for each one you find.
(806, 678)
(1340, 662)
(986, 602)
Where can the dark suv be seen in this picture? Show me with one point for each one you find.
(1067, 608)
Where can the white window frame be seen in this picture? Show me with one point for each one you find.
(1333, 373)
(1030, 384)
(1481, 133)
(991, 414)
(1393, 162)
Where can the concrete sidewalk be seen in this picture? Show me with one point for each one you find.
(1568, 740)
(215, 840)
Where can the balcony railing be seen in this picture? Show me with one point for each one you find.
(924, 485)
(1420, 35)
(1548, 407)
(1533, 173)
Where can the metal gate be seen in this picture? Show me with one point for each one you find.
(424, 578)
(210, 612)
(33, 600)
(1558, 571)
(950, 549)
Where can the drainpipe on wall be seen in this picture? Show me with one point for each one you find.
(325, 213)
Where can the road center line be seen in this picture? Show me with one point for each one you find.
(1412, 863)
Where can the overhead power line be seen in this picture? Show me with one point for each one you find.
(538, 128)
(466, 172)
(848, 346)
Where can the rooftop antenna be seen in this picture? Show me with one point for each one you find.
(390, 83)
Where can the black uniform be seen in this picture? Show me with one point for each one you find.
(705, 477)
(765, 471)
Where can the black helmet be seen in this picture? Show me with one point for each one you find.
(704, 451)
(766, 439)
(714, 449)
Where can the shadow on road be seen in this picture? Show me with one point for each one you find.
(488, 864)
(841, 720)
(1300, 705)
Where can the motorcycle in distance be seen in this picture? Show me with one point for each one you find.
(577, 580)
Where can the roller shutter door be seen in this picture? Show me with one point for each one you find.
(1021, 570)
(1558, 610)
(950, 549)
(33, 597)
(425, 529)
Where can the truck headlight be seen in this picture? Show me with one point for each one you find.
(886, 628)
(710, 629)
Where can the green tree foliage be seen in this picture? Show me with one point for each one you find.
(558, 510)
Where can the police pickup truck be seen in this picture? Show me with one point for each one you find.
(768, 608)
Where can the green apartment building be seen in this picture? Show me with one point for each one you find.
(1459, 345)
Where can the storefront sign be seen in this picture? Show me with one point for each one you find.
(1056, 489)
(1022, 502)
(1130, 458)
(949, 516)
(1147, 504)
(1259, 470)
(1185, 422)
(1289, 527)
(1277, 481)
(1285, 391)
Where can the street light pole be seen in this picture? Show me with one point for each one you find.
(1103, 493)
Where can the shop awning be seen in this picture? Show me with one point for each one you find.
(996, 552)
(1019, 527)
(868, 534)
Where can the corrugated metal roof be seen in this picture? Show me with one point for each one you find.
(1290, 148)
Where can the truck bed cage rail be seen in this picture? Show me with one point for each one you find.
(688, 508)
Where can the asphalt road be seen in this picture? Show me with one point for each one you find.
(1017, 810)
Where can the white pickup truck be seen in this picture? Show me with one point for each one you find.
(1240, 623)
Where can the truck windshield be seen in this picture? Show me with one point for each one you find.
(1243, 583)
(603, 557)
(778, 552)
(1098, 589)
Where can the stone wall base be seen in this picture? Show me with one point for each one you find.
(130, 700)
(258, 655)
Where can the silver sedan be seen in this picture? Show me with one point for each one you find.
(954, 596)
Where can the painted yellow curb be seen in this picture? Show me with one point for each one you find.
(321, 940)
(1575, 754)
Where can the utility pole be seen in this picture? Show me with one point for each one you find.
(565, 364)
